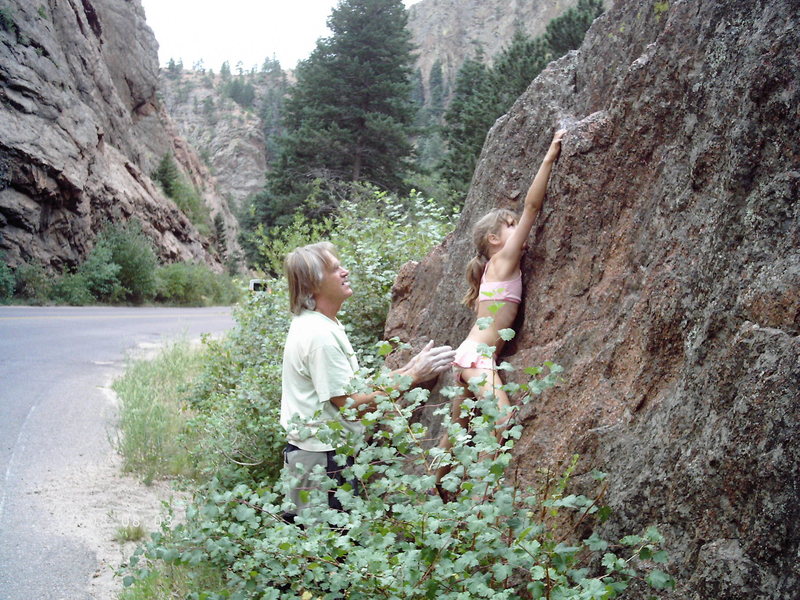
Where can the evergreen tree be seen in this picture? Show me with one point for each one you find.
(436, 89)
(274, 84)
(514, 70)
(348, 117)
(240, 91)
(467, 121)
(225, 71)
(167, 174)
(566, 32)
(174, 69)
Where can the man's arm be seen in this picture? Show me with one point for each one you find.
(431, 361)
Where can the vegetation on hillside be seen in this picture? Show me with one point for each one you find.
(121, 268)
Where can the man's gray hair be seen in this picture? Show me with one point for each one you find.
(305, 268)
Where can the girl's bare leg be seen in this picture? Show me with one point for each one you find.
(491, 385)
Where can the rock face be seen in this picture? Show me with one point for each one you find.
(664, 275)
(80, 130)
(450, 31)
(230, 138)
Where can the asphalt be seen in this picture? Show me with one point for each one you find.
(55, 417)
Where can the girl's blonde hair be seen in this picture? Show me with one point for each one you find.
(488, 224)
(305, 268)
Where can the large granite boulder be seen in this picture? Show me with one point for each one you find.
(664, 275)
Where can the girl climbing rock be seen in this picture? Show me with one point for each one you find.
(495, 291)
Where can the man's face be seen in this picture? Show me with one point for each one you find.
(335, 284)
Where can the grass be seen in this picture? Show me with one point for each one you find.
(173, 581)
(153, 438)
(130, 533)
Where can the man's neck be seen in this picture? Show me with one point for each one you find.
(328, 309)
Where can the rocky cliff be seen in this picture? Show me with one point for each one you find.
(664, 275)
(229, 137)
(81, 128)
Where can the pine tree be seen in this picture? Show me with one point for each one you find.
(467, 121)
(515, 68)
(348, 117)
(566, 32)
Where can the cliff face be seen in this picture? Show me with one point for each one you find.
(80, 130)
(230, 138)
(664, 275)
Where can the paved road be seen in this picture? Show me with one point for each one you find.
(55, 417)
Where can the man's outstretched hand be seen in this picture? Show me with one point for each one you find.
(430, 362)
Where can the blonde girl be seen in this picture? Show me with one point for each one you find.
(495, 279)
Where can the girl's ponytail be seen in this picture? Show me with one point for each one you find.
(474, 273)
(489, 223)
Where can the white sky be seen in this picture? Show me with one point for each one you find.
(238, 30)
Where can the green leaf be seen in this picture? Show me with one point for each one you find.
(484, 322)
(494, 307)
(660, 580)
(603, 513)
(661, 556)
(507, 334)
(598, 475)
(652, 534)
(595, 543)
(631, 540)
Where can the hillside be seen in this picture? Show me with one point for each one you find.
(664, 276)
(232, 139)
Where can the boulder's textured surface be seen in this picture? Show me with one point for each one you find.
(664, 275)
(80, 130)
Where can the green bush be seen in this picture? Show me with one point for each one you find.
(190, 284)
(101, 274)
(396, 540)
(236, 436)
(71, 288)
(375, 234)
(32, 282)
(236, 399)
(133, 252)
(7, 282)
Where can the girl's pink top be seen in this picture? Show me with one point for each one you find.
(498, 291)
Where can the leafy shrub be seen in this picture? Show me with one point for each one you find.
(191, 284)
(101, 274)
(375, 234)
(32, 282)
(396, 540)
(70, 288)
(133, 252)
(236, 398)
(6, 281)
(236, 436)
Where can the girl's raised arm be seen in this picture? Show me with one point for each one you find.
(512, 250)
